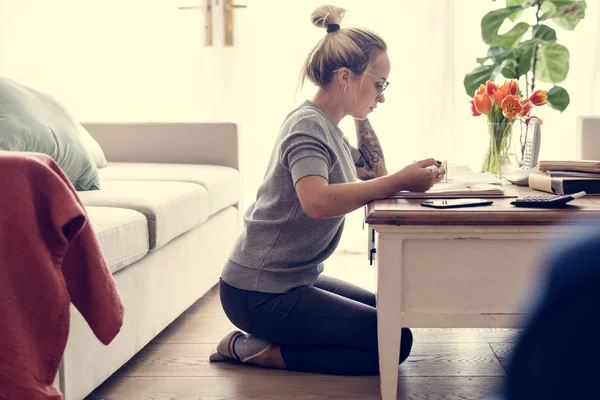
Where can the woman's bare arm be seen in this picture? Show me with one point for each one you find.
(372, 160)
(321, 200)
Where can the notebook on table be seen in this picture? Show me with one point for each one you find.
(454, 190)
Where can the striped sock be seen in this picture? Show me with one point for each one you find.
(238, 346)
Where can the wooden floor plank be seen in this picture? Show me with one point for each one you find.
(189, 360)
(451, 359)
(445, 388)
(427, 359)
(244, 387)
(196, 330)
(503, 352)
(206, 307)
(297, 387)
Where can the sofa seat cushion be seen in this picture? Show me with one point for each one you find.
(122, 234)
(171, 208)
(224, 184)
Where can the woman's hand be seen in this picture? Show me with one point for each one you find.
(420, 176)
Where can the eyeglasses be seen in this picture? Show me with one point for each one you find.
(382, 85)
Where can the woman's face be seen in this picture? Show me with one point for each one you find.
(366, 89)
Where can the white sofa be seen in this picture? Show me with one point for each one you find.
(166, 218)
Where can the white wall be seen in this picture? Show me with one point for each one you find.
(6, 27)
(109, 60)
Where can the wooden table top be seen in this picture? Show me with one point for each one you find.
(410, 212)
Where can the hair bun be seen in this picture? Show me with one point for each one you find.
(326, 15)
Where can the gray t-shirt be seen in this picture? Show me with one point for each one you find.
(281, 247)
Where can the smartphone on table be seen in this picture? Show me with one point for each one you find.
(456, 203)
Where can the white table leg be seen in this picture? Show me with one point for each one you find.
(389, 320)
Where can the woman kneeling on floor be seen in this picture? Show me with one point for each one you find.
(271, 287)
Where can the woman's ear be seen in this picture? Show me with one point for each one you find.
(344, 77)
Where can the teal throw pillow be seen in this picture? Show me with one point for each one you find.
(32, 121)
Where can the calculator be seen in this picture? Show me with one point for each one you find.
(547, 201)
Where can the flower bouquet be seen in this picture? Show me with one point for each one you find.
(503, 105)
(523, 44)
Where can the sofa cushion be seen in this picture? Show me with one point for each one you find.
(33, 121)
(171, 208)
(122, 233)
(224, 184)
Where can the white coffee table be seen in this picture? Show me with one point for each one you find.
(457, 268)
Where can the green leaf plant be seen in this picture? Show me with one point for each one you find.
(530, 50)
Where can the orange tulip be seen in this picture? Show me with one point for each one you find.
(529, 119)
(483, 103)
(511, 106)
(539, 97)
(490, 88)
(527, 106)
(510, 88)
(513, 87)
(474, 109)
(480, 90)
(500, 94)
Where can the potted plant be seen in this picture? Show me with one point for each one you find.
(526, 54)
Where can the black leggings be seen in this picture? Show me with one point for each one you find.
(328, 328)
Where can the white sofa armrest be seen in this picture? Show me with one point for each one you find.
(185, 143)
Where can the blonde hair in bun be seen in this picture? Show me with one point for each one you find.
(353, 48)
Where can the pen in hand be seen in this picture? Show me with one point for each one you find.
(446, 171)
(445, 164)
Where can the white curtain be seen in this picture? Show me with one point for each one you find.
(432, 44)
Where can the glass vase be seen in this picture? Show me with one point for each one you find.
(500, 154)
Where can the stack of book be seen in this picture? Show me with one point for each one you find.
(567, 177)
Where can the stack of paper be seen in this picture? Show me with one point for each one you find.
(575, 169)
(580, 165)
(464, 174)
